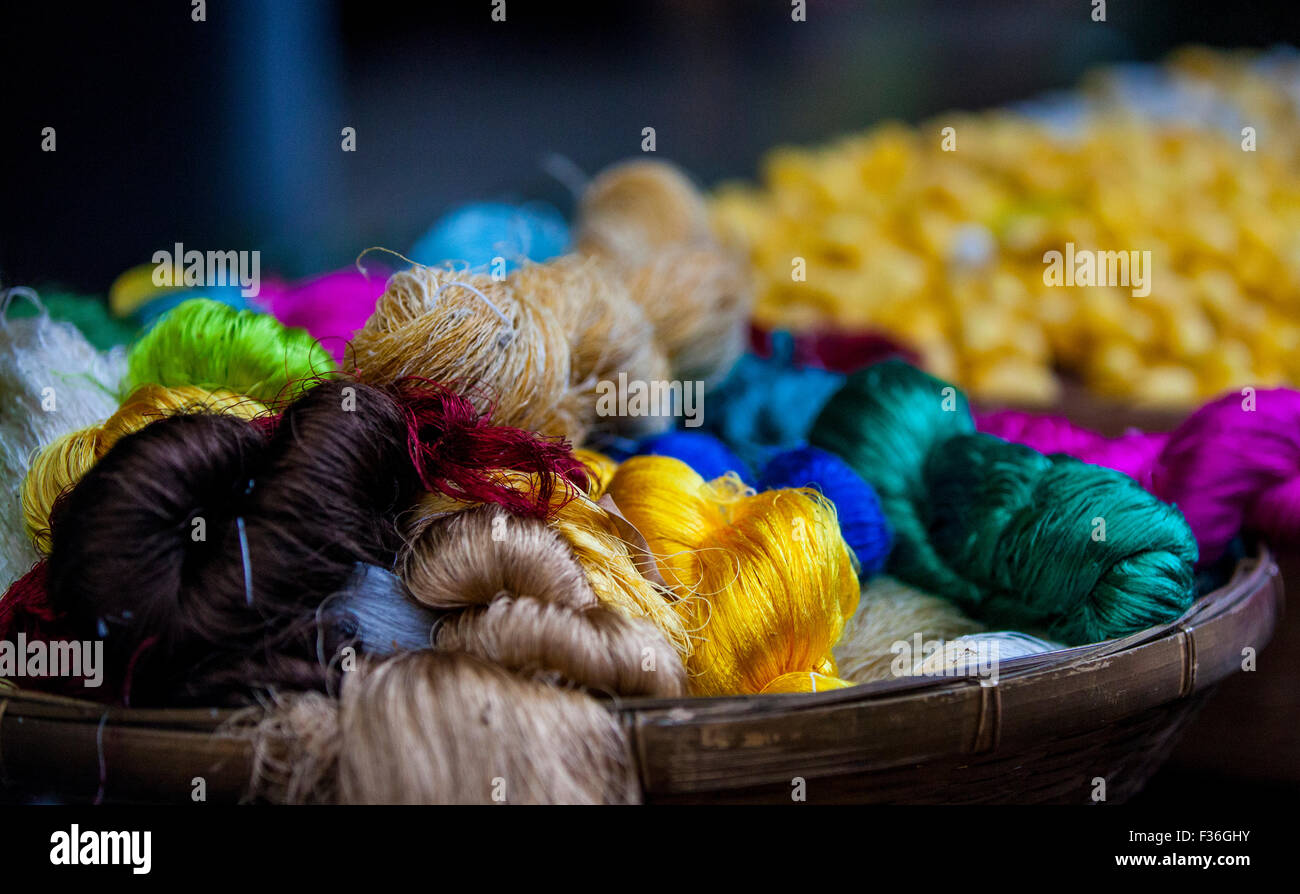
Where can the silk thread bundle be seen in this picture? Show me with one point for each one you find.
(611, 553)
(443, 728)
(653, 224)
(600, 470)
(862, 522)
(1134, 453)
(977, 653)
(611, 339)
(698, 300)
(636, 209)
(707, 455)
(890, 612)
(61, 464)
(498, 346)
(54, 382)
(899, 631)
(1008, 534)
(331, 307)
(211, 345)
(519, 623)
(779, 578)
(1231, 468)
(475, 235)
(536, 348)
(1232, 465)
(233, 534)
(768, 404)
(616, 568)
(517, 596)
(375, 610)
(771, 577)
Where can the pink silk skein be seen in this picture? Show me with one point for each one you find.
(1234, 464)
(332, 307)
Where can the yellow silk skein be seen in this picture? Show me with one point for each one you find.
(766, 578)
(600, 470)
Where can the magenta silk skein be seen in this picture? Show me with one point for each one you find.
(1234, 464)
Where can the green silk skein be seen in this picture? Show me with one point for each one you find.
(211, 345)
(1013, 537)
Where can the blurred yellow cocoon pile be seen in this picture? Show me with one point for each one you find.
(946, 249)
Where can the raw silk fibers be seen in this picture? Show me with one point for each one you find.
(499, 347)
(636, 209)
(613, 556)
(538, 348)
(522, 601)
(54, 382)
(898, 630)
(87, 312)
(888, 612)
(609, 336)
(651, 222)
(405, 729)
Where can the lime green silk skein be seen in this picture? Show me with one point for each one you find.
(212, 345)
(1013, 537)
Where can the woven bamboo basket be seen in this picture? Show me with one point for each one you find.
(1050, 727)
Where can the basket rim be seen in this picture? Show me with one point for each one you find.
(1249, 579)
(692, 746)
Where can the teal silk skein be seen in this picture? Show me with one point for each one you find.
(1014, 537)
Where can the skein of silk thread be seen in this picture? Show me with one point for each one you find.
(1231, 465)
(951, 494)
(55, 382)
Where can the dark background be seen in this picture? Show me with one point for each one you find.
(225, 134)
